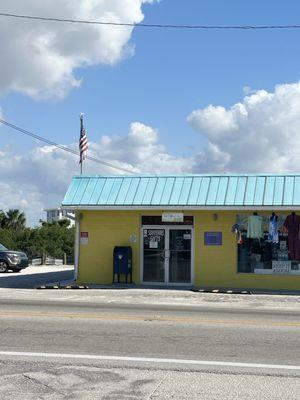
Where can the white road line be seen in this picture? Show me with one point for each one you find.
(150, 360)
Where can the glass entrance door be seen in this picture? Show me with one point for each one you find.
(167, 255)
(154, 245)
(180, 248)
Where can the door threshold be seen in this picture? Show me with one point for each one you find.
(166, 286)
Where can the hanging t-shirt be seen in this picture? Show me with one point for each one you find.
(254, 227)
(273, 230)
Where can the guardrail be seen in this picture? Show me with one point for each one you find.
(36, 261)
(53, 261)
(48, 261)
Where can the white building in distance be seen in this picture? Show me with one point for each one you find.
(57, 214)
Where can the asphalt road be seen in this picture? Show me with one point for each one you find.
(56, 350)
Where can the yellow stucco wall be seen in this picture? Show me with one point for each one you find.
(106, 230)
(213, 265)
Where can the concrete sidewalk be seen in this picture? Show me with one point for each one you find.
(33, 276)
(20, 287)
(155, 297)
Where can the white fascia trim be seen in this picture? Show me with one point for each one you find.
(182, 208)
(76, 252)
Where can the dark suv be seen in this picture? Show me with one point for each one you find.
(10, 259)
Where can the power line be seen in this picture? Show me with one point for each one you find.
(162, 26)
(61, 147)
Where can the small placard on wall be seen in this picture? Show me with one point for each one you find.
(213, 238)
(133, 238)
(84, 237)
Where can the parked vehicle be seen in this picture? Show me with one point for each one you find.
(13, 260)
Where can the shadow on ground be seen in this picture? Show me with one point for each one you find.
(30, 281)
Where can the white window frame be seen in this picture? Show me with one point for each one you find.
(167, 236)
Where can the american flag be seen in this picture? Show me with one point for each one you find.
(83, 143)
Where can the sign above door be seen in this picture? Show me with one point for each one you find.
(158, 219)
(172, 217)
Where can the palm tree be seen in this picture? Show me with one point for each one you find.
(14, 219)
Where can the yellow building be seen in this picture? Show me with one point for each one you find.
(192, 230)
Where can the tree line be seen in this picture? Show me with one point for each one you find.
(55, 239)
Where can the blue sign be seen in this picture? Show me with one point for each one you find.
(213, 238)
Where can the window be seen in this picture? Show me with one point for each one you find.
(266, 246)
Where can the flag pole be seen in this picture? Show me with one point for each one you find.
(83, 143)
(81, 156)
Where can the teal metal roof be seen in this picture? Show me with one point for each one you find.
(185, 190)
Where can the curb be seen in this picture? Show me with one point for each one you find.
(62, 287)
(223, 291)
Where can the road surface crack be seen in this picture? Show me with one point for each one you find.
(157, 386)
(34, 380)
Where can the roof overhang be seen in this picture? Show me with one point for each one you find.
(181, 208)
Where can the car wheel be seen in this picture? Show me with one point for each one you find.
(3, 266)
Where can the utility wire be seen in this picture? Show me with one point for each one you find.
(61, 147)
(162, 26)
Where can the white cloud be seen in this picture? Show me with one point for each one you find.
(247, 90)
(223, 121)
(141, 149)
(24, 197)
(39, 58)
(259, 134)
(39, 179)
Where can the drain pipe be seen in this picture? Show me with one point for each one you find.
(77, 245)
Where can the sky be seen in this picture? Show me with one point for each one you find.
(154, 100)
